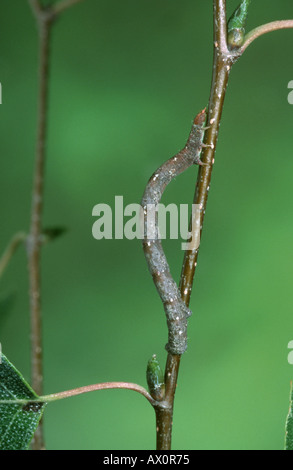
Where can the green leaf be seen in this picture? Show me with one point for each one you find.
(289, 425)
(18, 420)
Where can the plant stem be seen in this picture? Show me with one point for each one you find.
(221, 68)
(36, 7)
(45, 18)
(164, 409)
(15, 242)
(222, 64)
(34, 239)
(82, 390)
(64, 5)
(97, 387)
(264, 29)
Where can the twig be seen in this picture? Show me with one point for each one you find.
(221, 70)
(220, 25)
(96, 387)
(15, 242)
(222, 64)
(52, 11)
(45, 18)
(264, 29)
(164, 410)
(64, 5)
(82, 390)
(36, 7)
(34, 239)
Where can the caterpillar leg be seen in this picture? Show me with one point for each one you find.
(211, 146)
(200, 163)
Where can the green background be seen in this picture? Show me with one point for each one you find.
(127, 78)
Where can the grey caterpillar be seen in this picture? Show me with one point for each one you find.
(175, 309)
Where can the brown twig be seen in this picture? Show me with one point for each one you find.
(97, 387)
(60, 7)
(164, 409)
(36, 7)
(52, 11)
(45, 18)
(82, 390)
(222, 64)
(15, 242)
(221, 69)
(34, 238)
(264, 29)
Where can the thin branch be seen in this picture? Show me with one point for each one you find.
(15, 242)
(45, 18)
(34, 238)
(164, 410)
(97, 387)
(223, 61)
(264, 29)
(64, 5)
(82, 390)
(220, 25)
(221, 69)
(36, 7)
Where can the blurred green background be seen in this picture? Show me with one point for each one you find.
(127, 78)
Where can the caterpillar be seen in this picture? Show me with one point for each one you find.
(176, 311)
